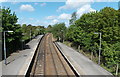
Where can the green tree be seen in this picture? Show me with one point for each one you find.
(0, 46)
(9, 21)
(39, 30)
(30, 31)
(105, 21)
(48, 29)
(73, 18)
(59, 31)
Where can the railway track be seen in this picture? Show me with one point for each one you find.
(49, 61)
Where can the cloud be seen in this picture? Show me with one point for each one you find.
(66, 23)
(64, 16)
(46, 23)
(31, 18)
(21, 21)
(57, 19)
(71, 5)
(51, 17)
(59, 0)
(54, 22)
(84, 9)
(35, 3)
(15, 2)
(42, 23)
(26, 8)
(3, 0)
(74, 4)
(42, 4)
(81, 7)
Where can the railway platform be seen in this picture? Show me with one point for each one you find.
(81, 63)
(18, 62)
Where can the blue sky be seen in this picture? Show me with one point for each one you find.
(45, 13)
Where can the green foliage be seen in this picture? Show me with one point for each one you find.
(111, 56)
(49, 29)
(105, 21)
(1, 29)
(74, 34)
(25, 32)
(111, 53)
(9, 21)
(73, 18)
(30, 31)
(80, 37)
(59, 31)
(1, 20)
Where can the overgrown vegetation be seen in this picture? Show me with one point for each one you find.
(21, 33)
(58, 30)
(29, 31)
(105, 22)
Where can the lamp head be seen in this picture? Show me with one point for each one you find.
(9, 31)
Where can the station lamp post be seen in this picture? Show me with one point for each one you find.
(5, 47)
(62, 36)
(99, 46)
(23, 41)
(30, 35)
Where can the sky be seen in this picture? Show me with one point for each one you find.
(50, 13)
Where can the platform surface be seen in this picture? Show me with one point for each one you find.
(81, 63)
(18, 62)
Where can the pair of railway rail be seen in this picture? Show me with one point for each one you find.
(49, 61)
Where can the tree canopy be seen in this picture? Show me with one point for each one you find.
(58, 31)
(9, 21)
(20, 32)
(106, 22)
